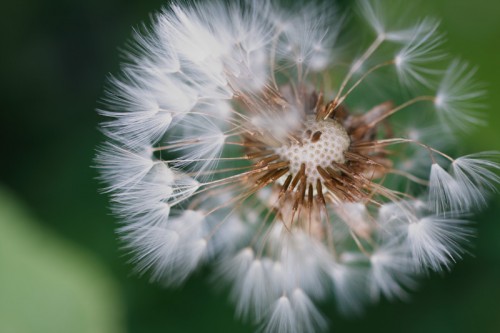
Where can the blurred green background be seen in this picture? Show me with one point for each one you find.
(61, 269)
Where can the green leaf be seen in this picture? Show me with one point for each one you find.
(48, 284)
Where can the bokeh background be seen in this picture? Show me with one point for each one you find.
(61, 269)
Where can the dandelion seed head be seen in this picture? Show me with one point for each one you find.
(242, 135)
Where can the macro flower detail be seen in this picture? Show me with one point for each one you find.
(274, 145)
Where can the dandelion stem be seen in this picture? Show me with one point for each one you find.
(409, 176)
(387, 142)
(354, 68)
(361, 79)
(399, 108)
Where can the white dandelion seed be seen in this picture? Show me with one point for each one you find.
(171, 248)
(387, 20)
(445, 192)
(458, 99)
(232, 139)
(391, 272)
(295, 314)
(350, 285)
(436, 242)
(476, 172)
(252, 294)
(123, 168)
(468, 186)
(413, 59)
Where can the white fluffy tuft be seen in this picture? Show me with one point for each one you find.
(413, 59)
(445, 193)
(170, 249)
(295, 314)
(459, 96)
(476, 172)
(436, 242)
(392, 272)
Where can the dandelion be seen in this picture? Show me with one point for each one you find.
(248, 136)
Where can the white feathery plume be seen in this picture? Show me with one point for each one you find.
(282, 317)
(191, 39)
(393, 218)
(146, 54)
(139, 119)
(251, 33)
(170, 249)
(308, 39)
(232, 232)
(308, 317)
(458, 97)
(381, 17)
(122, 167)
(251, 291)
(350, 287)
(445, 193)
(235, 268)
(476, 173)
(437, 241)
(301, 263)
(162, 184)
(152, 214)
(468, 186)
(413, 58)
(198, 142)
(295, 314)
(391, 271)
(392, 214)
(250, 287)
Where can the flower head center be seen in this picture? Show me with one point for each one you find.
(322, 144)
